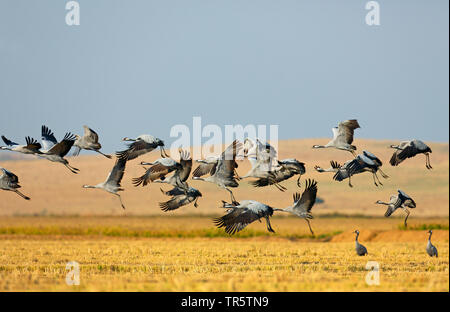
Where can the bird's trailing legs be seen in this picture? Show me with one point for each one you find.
(72, 169)
(427, 161)
(376, 176)
(384, 175)
(350, 180)
(280, 187)
(374, 181)
(163, 152)
(233, 200)
(407, 215)
(269, 227)
(21, 195)
(273, 181)
(120, 198)
(237, 175)
(107, 156)
(309, 224)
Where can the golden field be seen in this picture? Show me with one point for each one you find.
(144, 249)
(187, 254)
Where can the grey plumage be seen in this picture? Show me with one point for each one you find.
(286, 169)
(223, 173)
(32, 146)
(161, 168)
(55, 151)
(303, 204)
(340, 171)
(342, 136)
(157, 172)
(89, 141)
(112, 182)
(143, 144)
(366, 162)
(240, 214)
(431, 249)
(181, 196)
(360, 249)
(10, 182)
(408, 149)
(400, 200)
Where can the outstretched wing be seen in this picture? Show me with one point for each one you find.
(346, 130)
(305, 203)
(149, 176)
(176, 202)
(117, 172)
(48, 138)
(400, 155)
(204, 168)
(359, 164)
(33, 144)
(236, 219)
(136, 149)
(335, 164)
(8, 142)
(90, 134)
(406, 200)
(231, 151)
(11, 179)
(62, 148)
(186, 166)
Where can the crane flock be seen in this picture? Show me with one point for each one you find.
(221, 170)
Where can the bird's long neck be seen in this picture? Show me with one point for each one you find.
(395, 146)
(382, 203)
(91, 186)
(319, 146)
(356, 239)
(429, 237)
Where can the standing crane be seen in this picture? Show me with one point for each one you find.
(431, 250)
(360, 249)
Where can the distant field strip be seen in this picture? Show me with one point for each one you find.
(326, 229)
(123, 232)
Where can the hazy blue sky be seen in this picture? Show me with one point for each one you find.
(136, 67)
